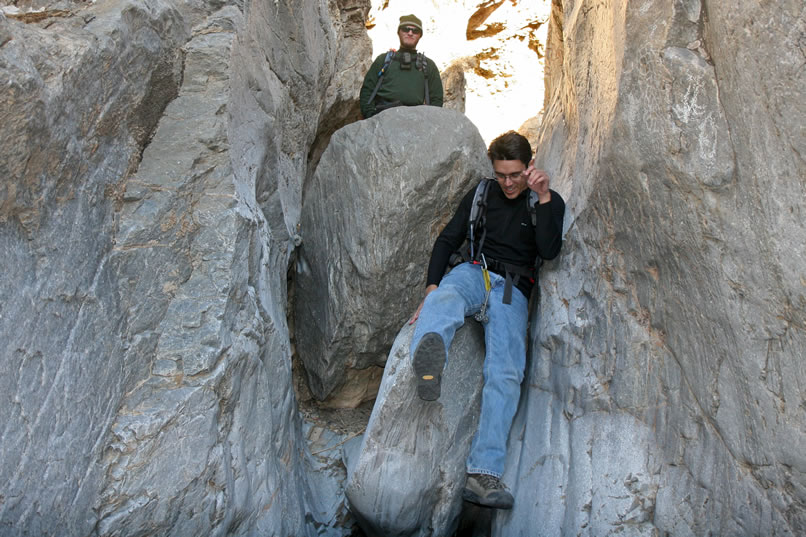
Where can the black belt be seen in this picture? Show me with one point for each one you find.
(511, 274)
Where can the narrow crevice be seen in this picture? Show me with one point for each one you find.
(340, 114)
(164, 88)
(349, 422)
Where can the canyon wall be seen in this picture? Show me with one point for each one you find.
(154, 156)
(664, 389)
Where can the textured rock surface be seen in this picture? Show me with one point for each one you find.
(69, 137)
(383, 190)
(154, 159)
(408, 474)
(142, 304)
(663, 391)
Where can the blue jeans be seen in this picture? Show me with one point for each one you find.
(460, 294)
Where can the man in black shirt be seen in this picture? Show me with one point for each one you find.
(514, 231)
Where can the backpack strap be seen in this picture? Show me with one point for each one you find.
(386, 61)
(422, 65)
(478, 216)
(532, 202)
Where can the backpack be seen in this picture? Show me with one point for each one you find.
(478, 219)
(421, 63)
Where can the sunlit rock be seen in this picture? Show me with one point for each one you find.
(668, 344)
(498, 47)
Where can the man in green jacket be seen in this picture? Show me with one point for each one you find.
(403, 77)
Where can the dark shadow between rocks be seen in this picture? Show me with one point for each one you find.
(475, 521)
(337, 116)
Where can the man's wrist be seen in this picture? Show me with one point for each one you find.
(544, 198)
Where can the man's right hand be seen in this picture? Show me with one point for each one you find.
(420, 307)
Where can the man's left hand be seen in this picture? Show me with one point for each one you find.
(538, 180)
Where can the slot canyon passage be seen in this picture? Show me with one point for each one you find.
(209, 261)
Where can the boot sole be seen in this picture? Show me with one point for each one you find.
(472, 497)
(429, 359)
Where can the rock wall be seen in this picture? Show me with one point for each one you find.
(663, 386)
(69, 139)
(154, 155)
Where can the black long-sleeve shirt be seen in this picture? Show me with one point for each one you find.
(510, 236)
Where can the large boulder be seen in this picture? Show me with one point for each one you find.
(383, 190)
(407, 476)
(663, 391)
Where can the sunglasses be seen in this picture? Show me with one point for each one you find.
(412, 29)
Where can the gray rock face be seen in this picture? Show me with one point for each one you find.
(142, 305)
(663, 392)
(408, 474)
(69, 137)
(383, 190)
(154, 156)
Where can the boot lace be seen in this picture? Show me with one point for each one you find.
(489, 482)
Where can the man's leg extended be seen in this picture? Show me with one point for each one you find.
(504, 363)
(460, 293)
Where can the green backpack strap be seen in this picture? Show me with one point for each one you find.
(422, 65)
(386, 61)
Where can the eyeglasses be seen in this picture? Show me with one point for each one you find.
(410, 29)
(511, 176)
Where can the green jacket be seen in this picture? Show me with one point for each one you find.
(405, 86)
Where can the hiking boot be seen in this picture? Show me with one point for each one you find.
(429, 359)
(487, 490)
